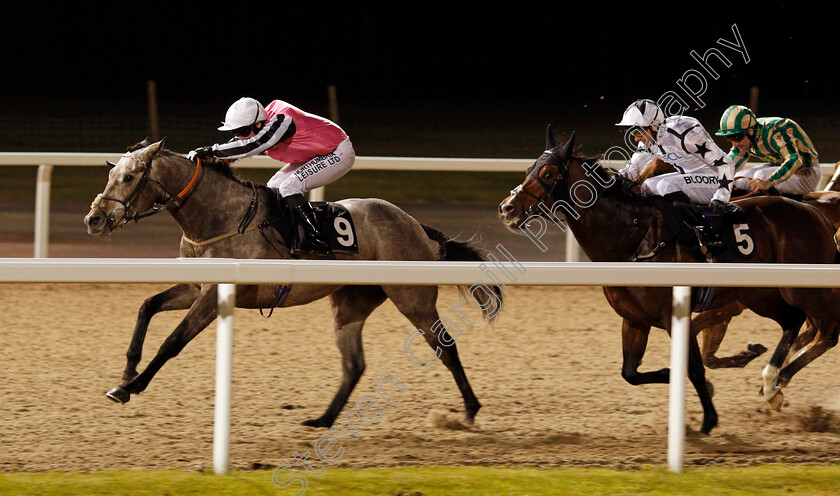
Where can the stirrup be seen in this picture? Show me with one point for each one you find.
(308, 243)
(301, 248)
(708, 237)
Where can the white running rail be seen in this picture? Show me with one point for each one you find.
(229, 272)
(46, 161)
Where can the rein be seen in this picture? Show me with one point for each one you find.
(244, 225)
(748, 195)
(129, 202)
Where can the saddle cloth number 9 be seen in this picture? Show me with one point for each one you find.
(344, 232)
(337, 225)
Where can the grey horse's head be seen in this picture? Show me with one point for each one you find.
(129, 192)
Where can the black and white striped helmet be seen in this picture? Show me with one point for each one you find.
(642, 113)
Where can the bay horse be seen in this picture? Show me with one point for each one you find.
(611, 222)
(222, 216)
(827, 202)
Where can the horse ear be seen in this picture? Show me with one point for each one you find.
(550, 143)
(569, 147)
(110, 164)
(148, 153)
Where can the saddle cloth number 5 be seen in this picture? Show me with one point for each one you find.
(743, 238)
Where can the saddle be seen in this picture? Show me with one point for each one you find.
(731, 226)
(734, 229)
(742, 193)
(334, 222)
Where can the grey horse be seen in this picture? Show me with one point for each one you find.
(223, 216)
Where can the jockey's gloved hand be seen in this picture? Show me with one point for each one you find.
(717, 207)
(204, 151)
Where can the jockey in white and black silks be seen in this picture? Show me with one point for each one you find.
(703, 172)
(317, 152)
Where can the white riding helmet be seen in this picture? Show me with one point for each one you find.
(244, 112)
(642, 113)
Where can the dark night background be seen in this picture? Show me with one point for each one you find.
(462, 79)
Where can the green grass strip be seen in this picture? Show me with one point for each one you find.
(449, 481)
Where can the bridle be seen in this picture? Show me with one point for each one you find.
(129, 203)
(548, 189)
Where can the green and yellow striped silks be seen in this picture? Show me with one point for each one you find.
(736, 119)
(779, 140)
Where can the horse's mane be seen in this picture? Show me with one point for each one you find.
(212, 163)
(617, 184)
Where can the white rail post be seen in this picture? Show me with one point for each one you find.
(224, 359)
(572, 247)
(42, 211)
(680, 325)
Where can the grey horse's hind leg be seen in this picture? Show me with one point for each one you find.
(177, 297)
(351, 307)
(418, 304)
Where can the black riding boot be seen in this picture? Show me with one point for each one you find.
(709, 239)
(310, 241)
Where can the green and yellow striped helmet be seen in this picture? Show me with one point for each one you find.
(736, 119)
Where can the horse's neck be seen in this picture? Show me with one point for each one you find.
(215, 205)
(612, 229)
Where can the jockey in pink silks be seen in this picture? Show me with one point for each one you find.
(316, 150)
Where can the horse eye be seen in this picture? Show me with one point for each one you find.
(128, 178)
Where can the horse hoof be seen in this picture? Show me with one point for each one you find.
(776, 401)
(118, 395)
(756, 348)
(470, 413)
(318, 422)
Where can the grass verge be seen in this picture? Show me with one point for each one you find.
(449, 481)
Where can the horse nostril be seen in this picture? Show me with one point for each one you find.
(506, 208)
(94, 221)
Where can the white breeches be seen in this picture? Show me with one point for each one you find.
(303, 176)
(700, 188)
(796, 184)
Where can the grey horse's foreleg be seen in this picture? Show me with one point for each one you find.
(177, 297)
(351, 307)
(200, 315)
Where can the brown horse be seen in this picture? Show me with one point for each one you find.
(828, 203)
(611, 224)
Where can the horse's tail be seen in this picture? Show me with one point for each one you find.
(466, 251)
